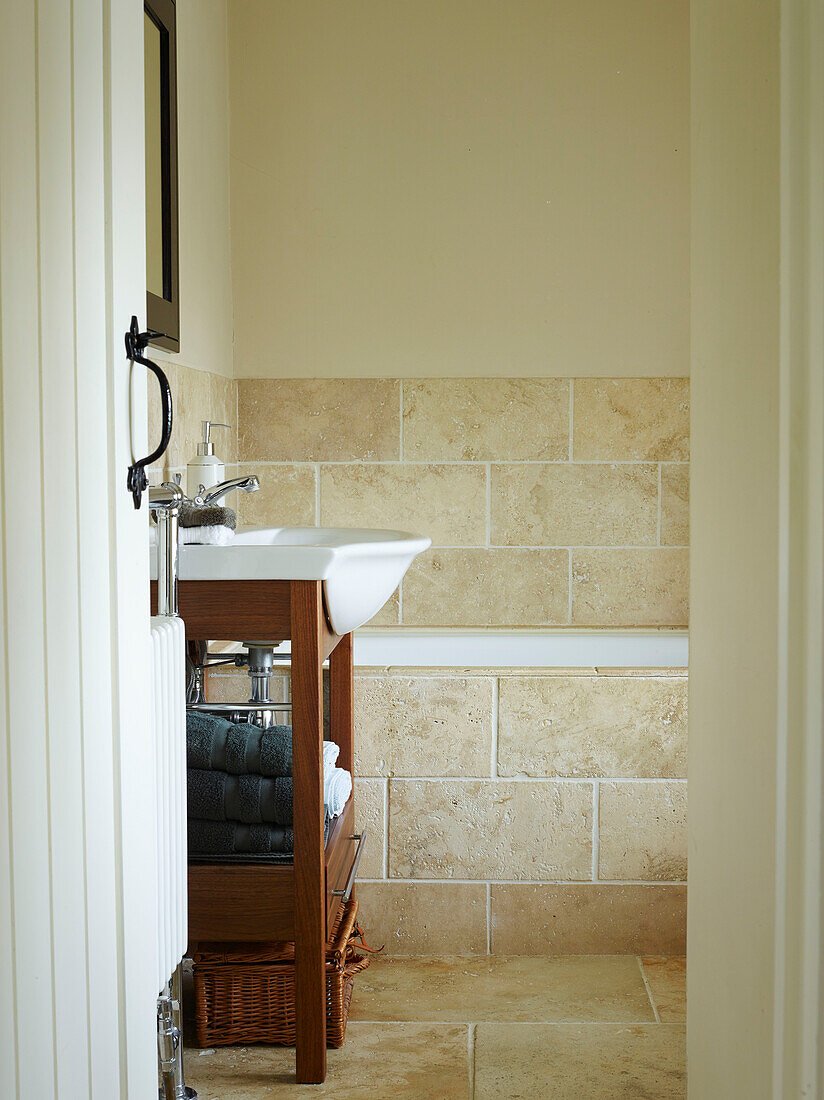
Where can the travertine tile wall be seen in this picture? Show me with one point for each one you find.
(519, 811)
(196, 395)
(550, 502)
(512, 811)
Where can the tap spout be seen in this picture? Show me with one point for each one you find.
(248, 484)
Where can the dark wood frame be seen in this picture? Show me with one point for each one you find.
(257, 902)
(163, 313)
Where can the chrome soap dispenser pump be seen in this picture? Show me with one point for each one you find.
(205, 470)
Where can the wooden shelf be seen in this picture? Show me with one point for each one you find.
(253, 902)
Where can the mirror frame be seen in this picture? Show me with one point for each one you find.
(163, 314)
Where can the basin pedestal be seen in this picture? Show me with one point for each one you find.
(255, 902)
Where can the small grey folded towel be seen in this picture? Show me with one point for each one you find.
(210, 515)
(232, 842)
(232, 838)
(248, 799)
(213, 744)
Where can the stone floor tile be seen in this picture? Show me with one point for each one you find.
(667, 979)
(580, 1062)
(405, 1061)
(514, 988)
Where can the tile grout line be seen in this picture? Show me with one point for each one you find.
(489, 918)
(569, 583)
(596, 828)
(471, 1060)
(660, 492)
(475, 462)
(385, 837)
(645, 980)
(488, 466)
(653, 884)
(400, 420)
(539, 779)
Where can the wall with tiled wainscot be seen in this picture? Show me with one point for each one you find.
(550, 502)
(509, 810)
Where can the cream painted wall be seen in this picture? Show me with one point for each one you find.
(735, 585)
(203, 168)
(469, 187)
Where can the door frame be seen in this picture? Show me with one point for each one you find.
(77, 846)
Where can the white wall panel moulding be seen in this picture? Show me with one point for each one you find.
(523, 648)
(518, 648)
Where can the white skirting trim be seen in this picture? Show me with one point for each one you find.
(524, 648)
(518, 648)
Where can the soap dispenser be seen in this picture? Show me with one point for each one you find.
(206, 470)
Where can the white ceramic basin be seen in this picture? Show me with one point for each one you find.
(360, 569)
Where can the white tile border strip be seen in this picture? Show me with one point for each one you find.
(524, 648)
(515, 648)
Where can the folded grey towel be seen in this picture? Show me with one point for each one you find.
(248, 799)
(231, 842)
(230, 837)
(210, 515)
(213, 744)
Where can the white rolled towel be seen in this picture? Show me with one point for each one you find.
(337, 786)
(216, 535)
(331, 752)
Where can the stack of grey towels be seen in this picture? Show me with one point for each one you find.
(240, 788)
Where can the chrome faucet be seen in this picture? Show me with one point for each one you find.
(248, 484)
(164, 502)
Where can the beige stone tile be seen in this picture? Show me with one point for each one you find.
(485, 419)
(643, 831)
(410, 1061)
(574, 504)
(286, 497)
(318, 420)
(675, 505)
(487, 588)
(517, 988)
(370, 815)
(667, 979)
(580, 1062)
(630, 587)
(447, 503)
(631, 419)
(489, 830)
(608, 726)
(424, 918)
(423, 726)
(587, 919)
(224, 411)
(192, 403)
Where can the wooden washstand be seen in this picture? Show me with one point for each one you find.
(258, 902)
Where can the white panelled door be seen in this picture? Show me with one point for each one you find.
(77, 851)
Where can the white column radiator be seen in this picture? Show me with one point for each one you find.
(169, 713)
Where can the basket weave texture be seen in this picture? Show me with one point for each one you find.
(245, 993)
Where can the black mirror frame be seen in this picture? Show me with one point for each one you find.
(163, 314)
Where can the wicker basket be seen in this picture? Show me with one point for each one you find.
(245, 993)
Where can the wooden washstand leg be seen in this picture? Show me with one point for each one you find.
(342, 700)
(310, 885)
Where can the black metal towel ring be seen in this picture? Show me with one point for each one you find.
(136, 343)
